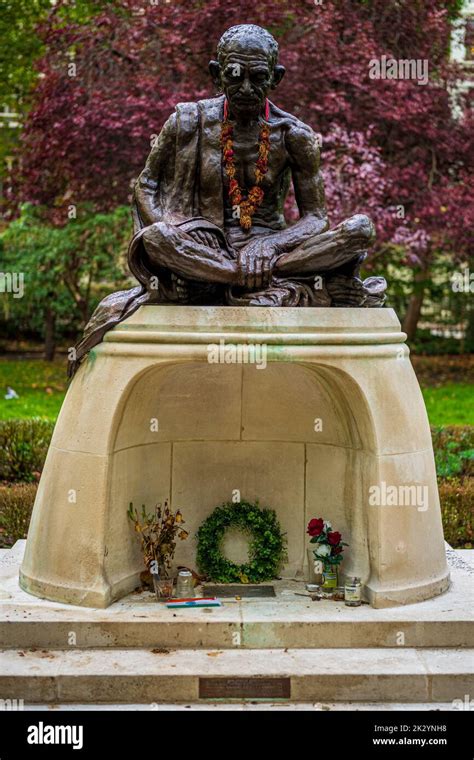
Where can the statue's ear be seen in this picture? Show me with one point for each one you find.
(215, 70)
(278, 74)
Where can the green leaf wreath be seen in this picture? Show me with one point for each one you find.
(267, 546)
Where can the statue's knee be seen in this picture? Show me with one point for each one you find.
(155, 233)
(361, 226)
(154, 242)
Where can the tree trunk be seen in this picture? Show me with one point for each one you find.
(468, 342)
(84, 310)
(412, 316)
(49, 339)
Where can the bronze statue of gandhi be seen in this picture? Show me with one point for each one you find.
(208, 207)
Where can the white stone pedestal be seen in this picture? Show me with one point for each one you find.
(330, 422)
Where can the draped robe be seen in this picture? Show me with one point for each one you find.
(192, 198)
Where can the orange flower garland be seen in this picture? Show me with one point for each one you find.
(248, 205)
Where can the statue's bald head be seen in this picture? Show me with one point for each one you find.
(247, 37)
(246, 68)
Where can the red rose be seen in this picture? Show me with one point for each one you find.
(315, 527)
(334, 538)
(336, 550)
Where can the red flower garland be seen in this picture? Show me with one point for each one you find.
(248, 205)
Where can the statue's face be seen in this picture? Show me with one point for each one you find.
(246, 75)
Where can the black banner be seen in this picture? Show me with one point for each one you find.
(228, 732)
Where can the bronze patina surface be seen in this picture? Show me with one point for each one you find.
(189, 246)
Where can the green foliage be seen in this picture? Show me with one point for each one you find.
(442, 306)
(427, 344)
(67, 269)
(266, 547)
(457, 510)
(454, 457)
(454, 451)
(23, 448)
(20, 47)
(16, 503)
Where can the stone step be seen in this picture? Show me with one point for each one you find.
(287, 620)
(247, 706)
(333, 627)
(142, 676)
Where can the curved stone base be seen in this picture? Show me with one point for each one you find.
(311, 411)
(386, 597)
(102, 595)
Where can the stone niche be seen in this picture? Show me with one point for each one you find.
(333, 410)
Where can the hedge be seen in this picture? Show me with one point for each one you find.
(16, 503)
(23, 448)
(457, 510)
(24, 444)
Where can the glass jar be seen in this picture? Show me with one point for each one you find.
(339, 594)
(315, 569)
(184, 585)
(353, 592)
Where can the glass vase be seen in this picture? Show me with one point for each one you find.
(330, 576)
(163, 586)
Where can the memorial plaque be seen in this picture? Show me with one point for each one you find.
(245, 688)
(245, 592)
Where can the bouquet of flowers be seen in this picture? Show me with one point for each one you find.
(329, 546)
(158, 532)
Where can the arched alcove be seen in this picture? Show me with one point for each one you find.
(294, 436)
(149, 418)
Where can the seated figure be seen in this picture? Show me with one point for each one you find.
(208, 206)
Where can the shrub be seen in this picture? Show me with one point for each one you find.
(427, 344)
(454, 451)
(454, 457)
(16, 503)
(457, 502)
(23, 448)
(24, 444)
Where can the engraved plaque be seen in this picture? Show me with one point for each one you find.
(245, 688)
(244, 590)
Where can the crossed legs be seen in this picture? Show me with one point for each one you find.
(337, 249)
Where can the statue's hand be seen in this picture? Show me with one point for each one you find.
(206, 237)
(255, 264)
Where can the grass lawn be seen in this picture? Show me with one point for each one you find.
(42, 385)
(451, 404)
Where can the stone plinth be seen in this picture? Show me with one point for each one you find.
(137, 652)
(327, 421)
